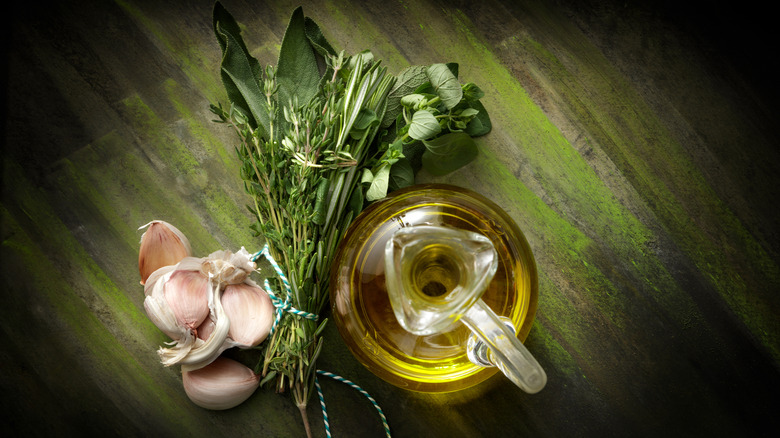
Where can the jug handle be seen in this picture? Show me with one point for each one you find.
(505, 351)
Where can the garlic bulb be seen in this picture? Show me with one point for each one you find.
(162, 244)
(190, 296)
(205, 305)
(223, 384)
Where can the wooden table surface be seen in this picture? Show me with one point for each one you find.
(636, 147)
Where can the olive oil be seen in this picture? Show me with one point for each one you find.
(361, 306)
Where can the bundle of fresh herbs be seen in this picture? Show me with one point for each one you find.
(321, 135)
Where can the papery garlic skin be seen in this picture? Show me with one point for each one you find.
(162, 244)
(156, 306)
(223, 384)
(250, 311)
(227, 267)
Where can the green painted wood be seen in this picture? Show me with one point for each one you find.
(635, 146)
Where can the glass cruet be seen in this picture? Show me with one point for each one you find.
(435, 278)
(451, 357)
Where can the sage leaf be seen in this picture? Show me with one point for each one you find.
(367, 177)
(364, 120)
(448, 153)
(240, 72)
(366, 58)
(445, 84)
(468, 112)
(355, 204)
(297, 72)
(424, 125)
(321, 202)
(453, 66)
(413, 153)
(407, 81)
(317, 39)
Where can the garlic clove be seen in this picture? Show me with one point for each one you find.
(157, 309)
(187, 294)
(223, 384)
(157, 280)
(162, 244)
(160, 314)
(250, 311)
(206, 328)
(202, 352)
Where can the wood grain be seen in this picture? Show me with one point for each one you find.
(635, 146)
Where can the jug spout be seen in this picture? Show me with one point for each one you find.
(435, 278)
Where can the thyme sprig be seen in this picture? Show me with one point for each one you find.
(302, 175)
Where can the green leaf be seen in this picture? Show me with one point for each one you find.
(408, 80)
(472, 92)
(321, 202)
(392, 154)
(479, 125)
(448, 152)
(413, 153)
(411, 100)
(468, 112)
(424, 125)
(401, 175)
(269, 377)
(297, 72)
(364, 120)
(453, 66)
(378, 188)
(355, 204)
(240, 72)
(367, 177)
(445, 84)
(366, 59)
(317, 39)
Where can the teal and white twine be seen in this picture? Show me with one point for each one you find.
(286, 306)
(354, 386)
(281, 305)
(322, 406)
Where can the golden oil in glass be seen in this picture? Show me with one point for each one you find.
(361, 306)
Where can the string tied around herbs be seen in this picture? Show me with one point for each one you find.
(286, 306)
(282, 305)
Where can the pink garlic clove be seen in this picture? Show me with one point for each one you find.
(206, 328)
(250, 312)
(187, 294)
(222, 384)
(162, 244)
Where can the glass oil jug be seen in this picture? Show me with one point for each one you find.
(419, 282)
